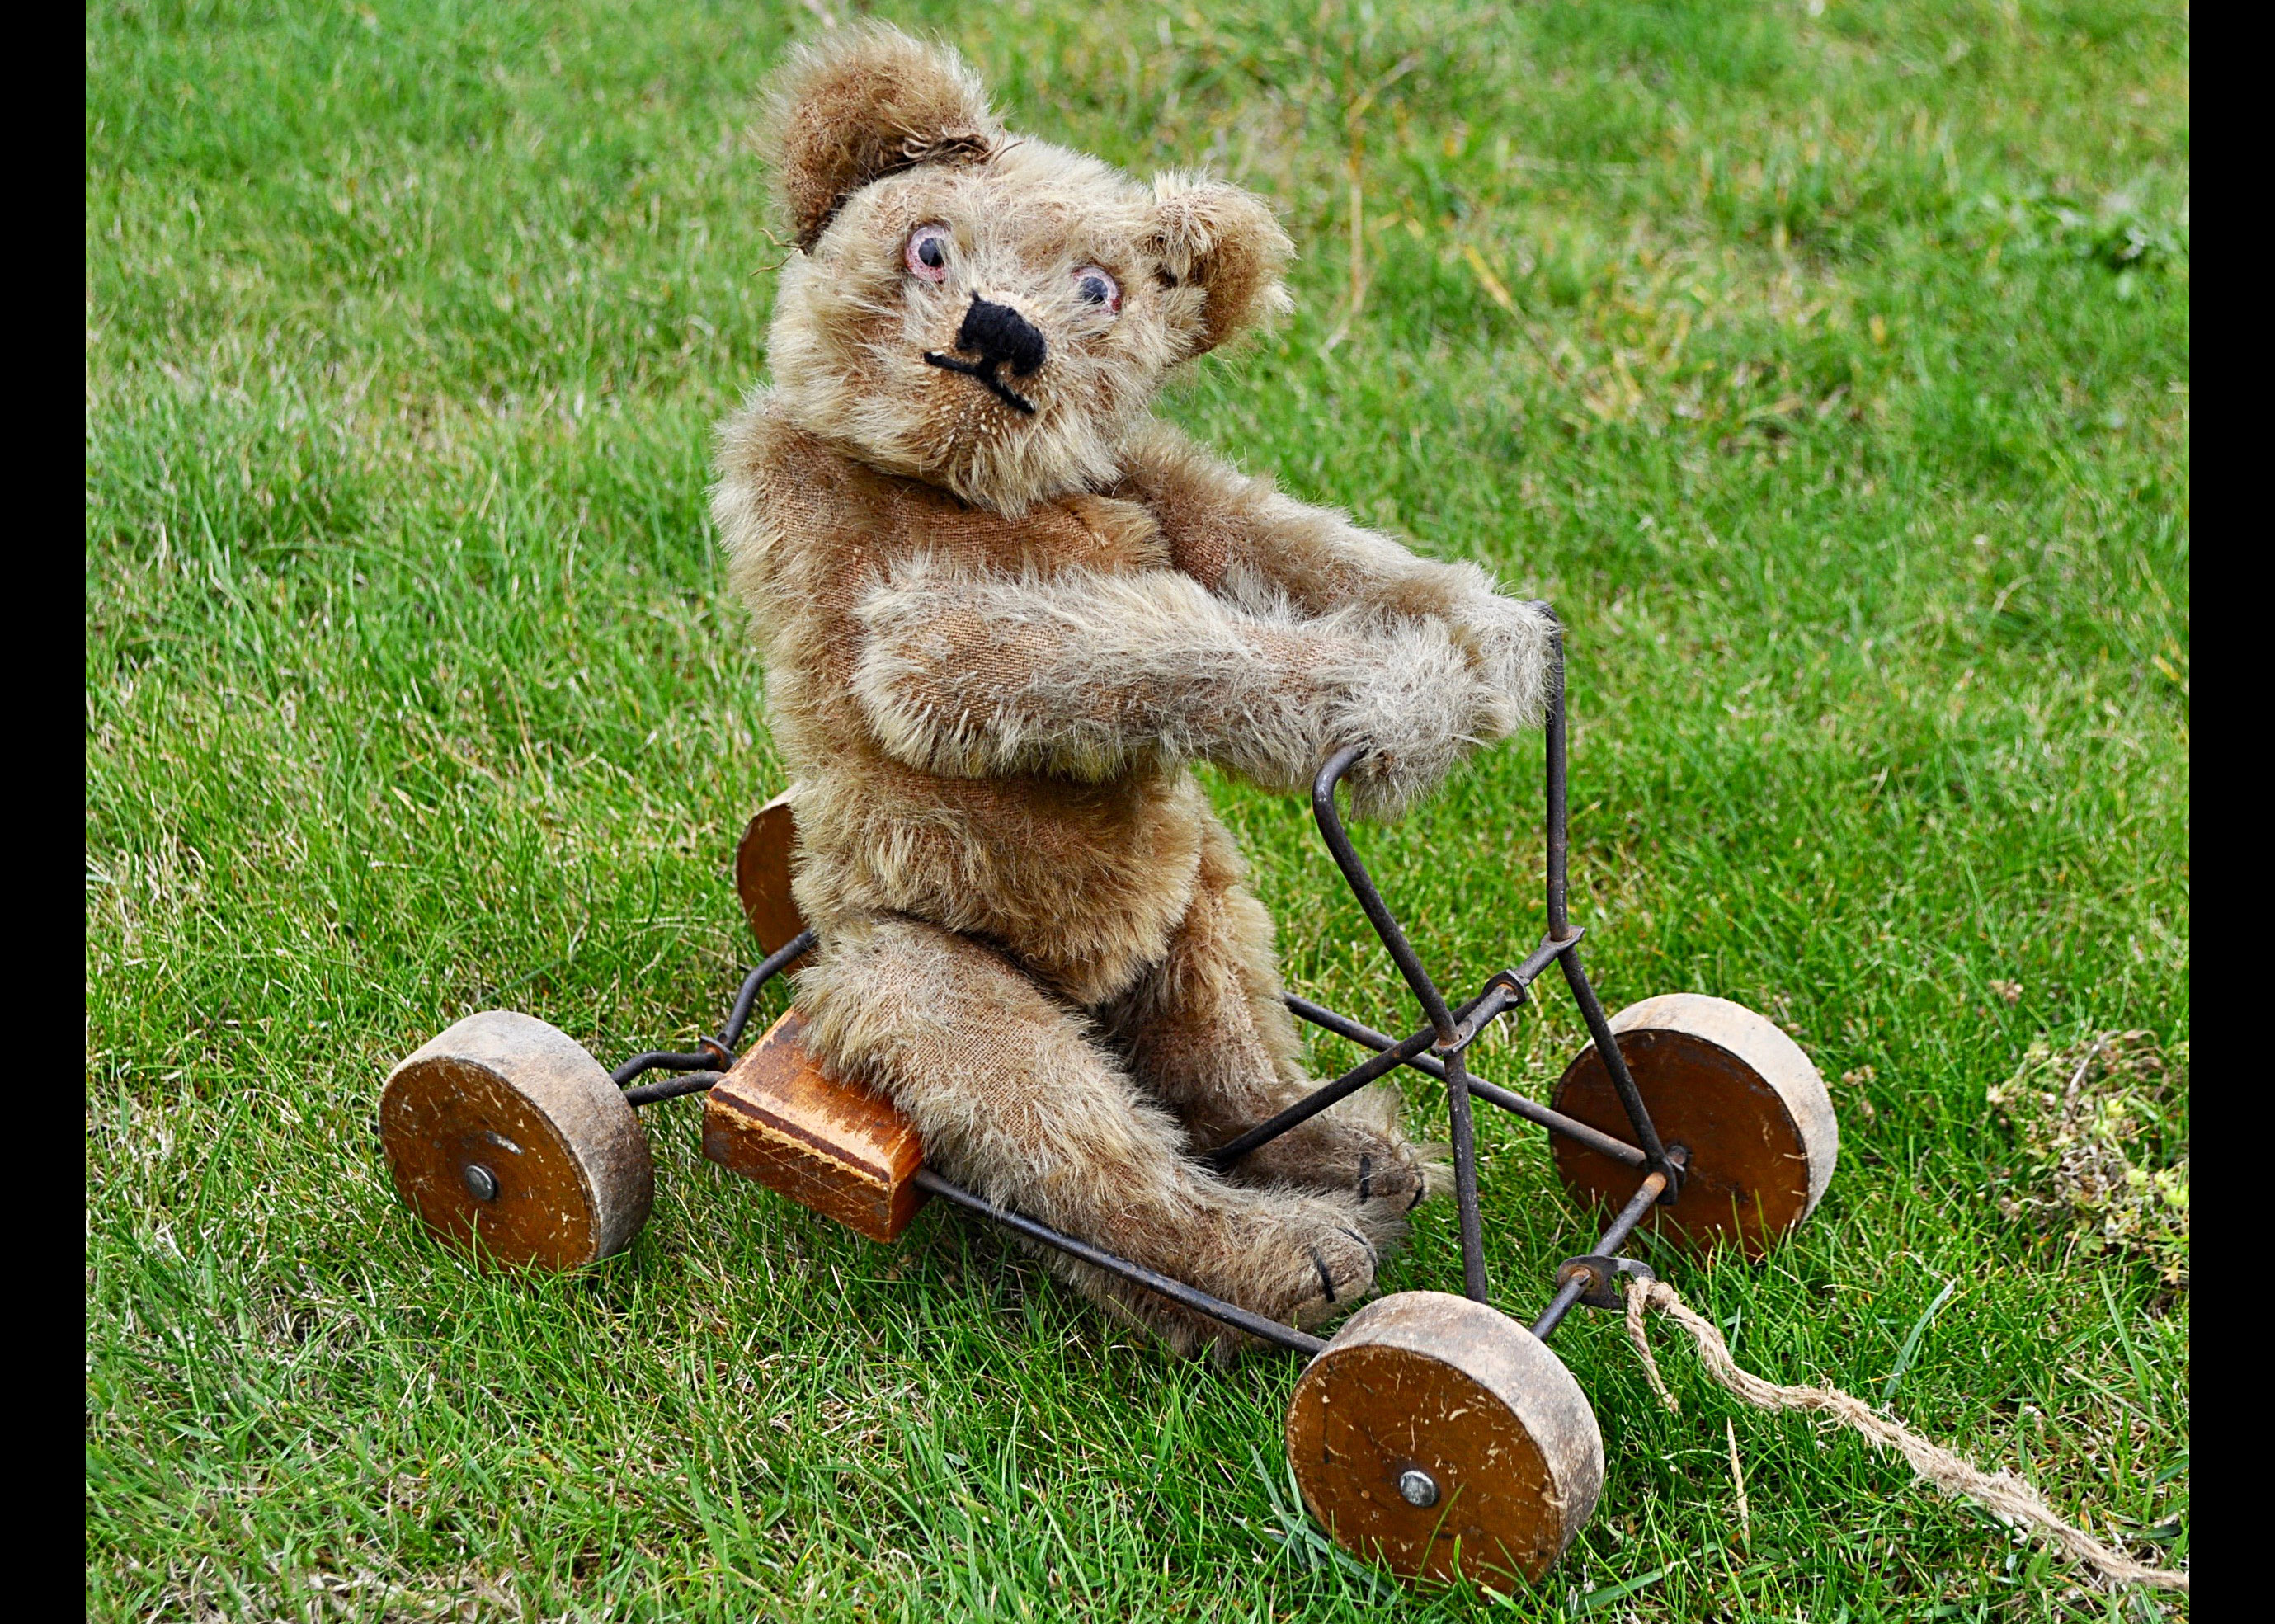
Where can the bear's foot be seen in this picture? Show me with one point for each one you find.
(1299, 1259)
(1377, 1166)
(1355, 1149)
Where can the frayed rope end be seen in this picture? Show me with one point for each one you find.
(2001, 1492)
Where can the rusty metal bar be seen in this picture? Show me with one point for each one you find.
(662, 1060)
(1378, 912)
(1559, 825)
(1554, 1120)
(1560, 925)
(1559, 1305)
(716, 1053)
(1483, 1007)
(1645, 1198)
(1551, 949)
(1607, 1046)
(1465, 1176)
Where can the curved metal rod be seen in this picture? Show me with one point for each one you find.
(1460, 1128)
(663, 1060)
(672, 1087)
(1363, 887)
(1557, 755)
(768, 968)
(717, 1051)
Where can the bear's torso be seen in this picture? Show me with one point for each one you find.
(1081, 882)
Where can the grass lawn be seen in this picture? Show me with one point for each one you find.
(1826, 363)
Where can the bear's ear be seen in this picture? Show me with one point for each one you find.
(1225, 242)
(864, 102)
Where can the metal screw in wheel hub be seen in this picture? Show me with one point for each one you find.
(1418, 1488)
(481, 1183)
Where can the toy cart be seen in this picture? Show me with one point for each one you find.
(1432, 1431)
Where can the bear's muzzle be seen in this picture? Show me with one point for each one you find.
(1000, 337)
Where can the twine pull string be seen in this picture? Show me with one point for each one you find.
(2000, 1492)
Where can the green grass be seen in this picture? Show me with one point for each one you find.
(1826, 365)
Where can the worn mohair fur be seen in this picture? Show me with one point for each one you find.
(995, 641)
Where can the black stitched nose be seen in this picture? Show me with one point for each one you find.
(999, 333)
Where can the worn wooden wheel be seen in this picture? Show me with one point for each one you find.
(1438, 1435)
(1733, 1090)
(762, 875)
(504, 1130)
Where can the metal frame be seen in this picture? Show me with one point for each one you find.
(1439, 1049)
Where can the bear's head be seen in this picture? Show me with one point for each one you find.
(981, 311)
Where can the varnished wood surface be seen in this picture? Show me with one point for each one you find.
(836, 1146)
(762, 875)
(1734, 1091)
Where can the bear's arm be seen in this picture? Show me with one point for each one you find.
(1257, 550)
(1090, 676)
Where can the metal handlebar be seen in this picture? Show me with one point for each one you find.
(1451, 1037)
(1363, 887)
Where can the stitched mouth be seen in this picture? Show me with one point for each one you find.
(985, 371)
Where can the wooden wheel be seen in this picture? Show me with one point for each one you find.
(505, 1129)
(1439, 1435)
(762, 875)
(1734, 1091)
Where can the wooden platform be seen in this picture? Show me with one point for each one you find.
(836, 1146)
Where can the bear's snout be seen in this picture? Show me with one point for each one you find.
(999, 334)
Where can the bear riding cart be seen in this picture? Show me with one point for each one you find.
(1432, 1431)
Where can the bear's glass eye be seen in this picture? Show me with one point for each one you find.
(927, 252)
(1094, 286)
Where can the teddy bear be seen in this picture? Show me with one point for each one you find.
(1003, 611)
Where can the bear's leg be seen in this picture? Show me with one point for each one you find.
(1015, 1098)
(1205, 1032)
